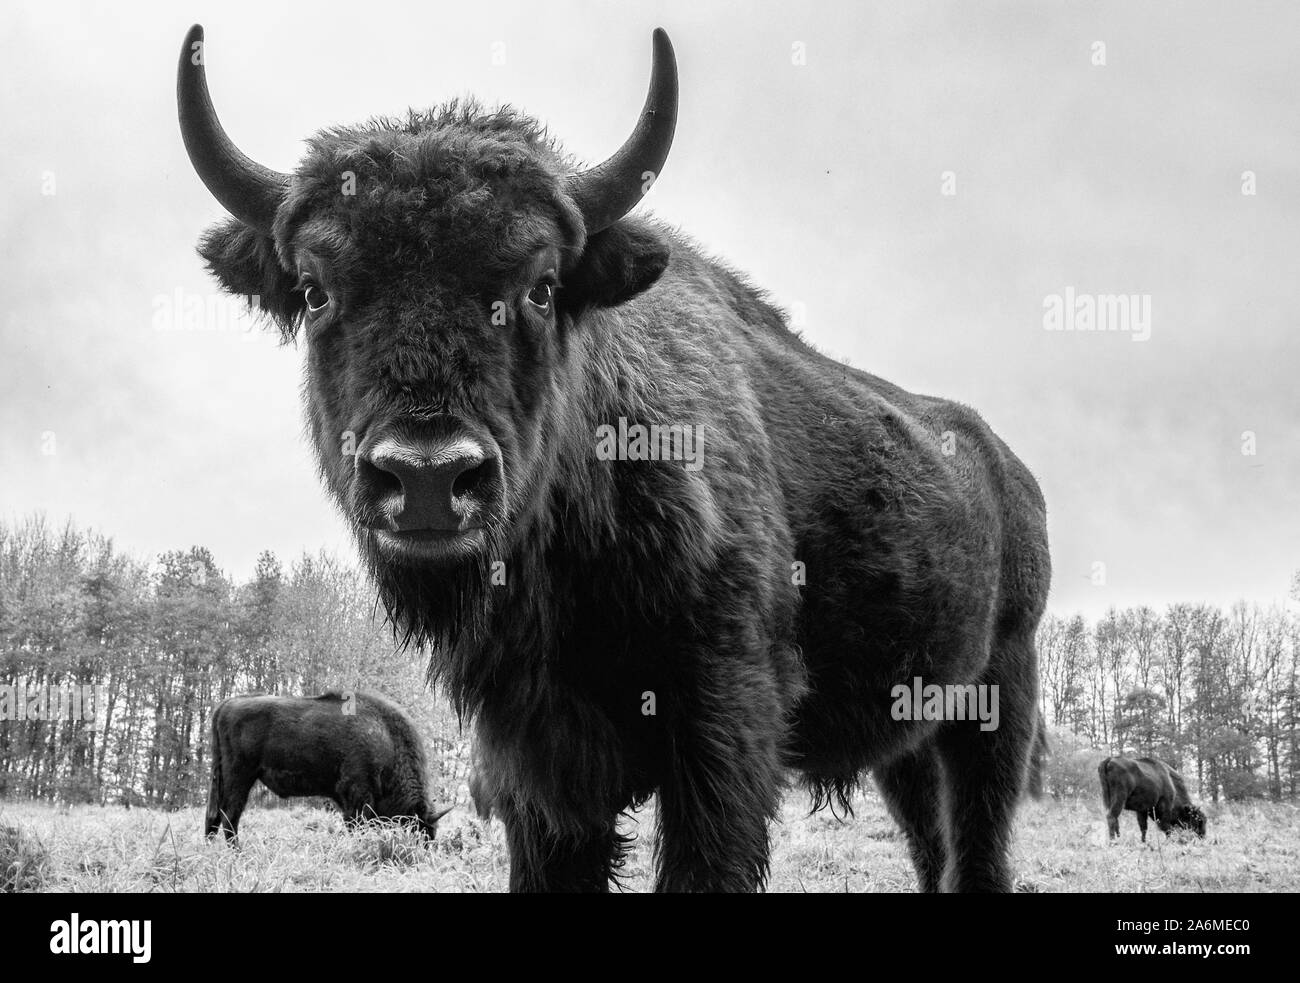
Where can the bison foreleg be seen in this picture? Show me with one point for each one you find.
(910, 786)
(1164, 813)
(542, 860)
(355, 800)
(1142, 824)
(723, 785)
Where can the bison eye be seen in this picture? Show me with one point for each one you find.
(316, 298)
(540, 296)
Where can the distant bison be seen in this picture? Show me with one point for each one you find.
(1148, 787)
(359, 750)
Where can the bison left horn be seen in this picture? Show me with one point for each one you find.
(245, 188)
(610, 190)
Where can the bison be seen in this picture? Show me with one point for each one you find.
(1150, 788)
(358, 749)
(652, 540)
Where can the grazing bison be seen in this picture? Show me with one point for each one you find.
(653, 540)
(1148, 787)
(361, 751)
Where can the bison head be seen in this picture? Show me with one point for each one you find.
(438, 266)
(429, 822)
(1191, 817)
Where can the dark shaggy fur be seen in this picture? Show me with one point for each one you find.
(364, 753)
(1150, 788)
(843, 536)
(480, 790)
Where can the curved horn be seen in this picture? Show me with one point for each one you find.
(245, 188)
(609, 191)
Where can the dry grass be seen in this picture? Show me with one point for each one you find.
(24, 861)
(1060, 846)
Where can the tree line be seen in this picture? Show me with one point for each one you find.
(162, 644)
(1215, 692)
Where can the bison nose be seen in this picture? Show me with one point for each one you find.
(427, 485)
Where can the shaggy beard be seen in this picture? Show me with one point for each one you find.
(444, 609)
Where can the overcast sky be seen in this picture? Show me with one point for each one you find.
(811, 152)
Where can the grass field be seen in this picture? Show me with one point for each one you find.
(1060, 846)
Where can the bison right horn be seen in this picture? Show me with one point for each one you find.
(608, 191)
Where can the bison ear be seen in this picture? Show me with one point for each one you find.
(244, 261)
(617, 264)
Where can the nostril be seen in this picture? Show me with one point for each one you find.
(468, 481)
(380, 481)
